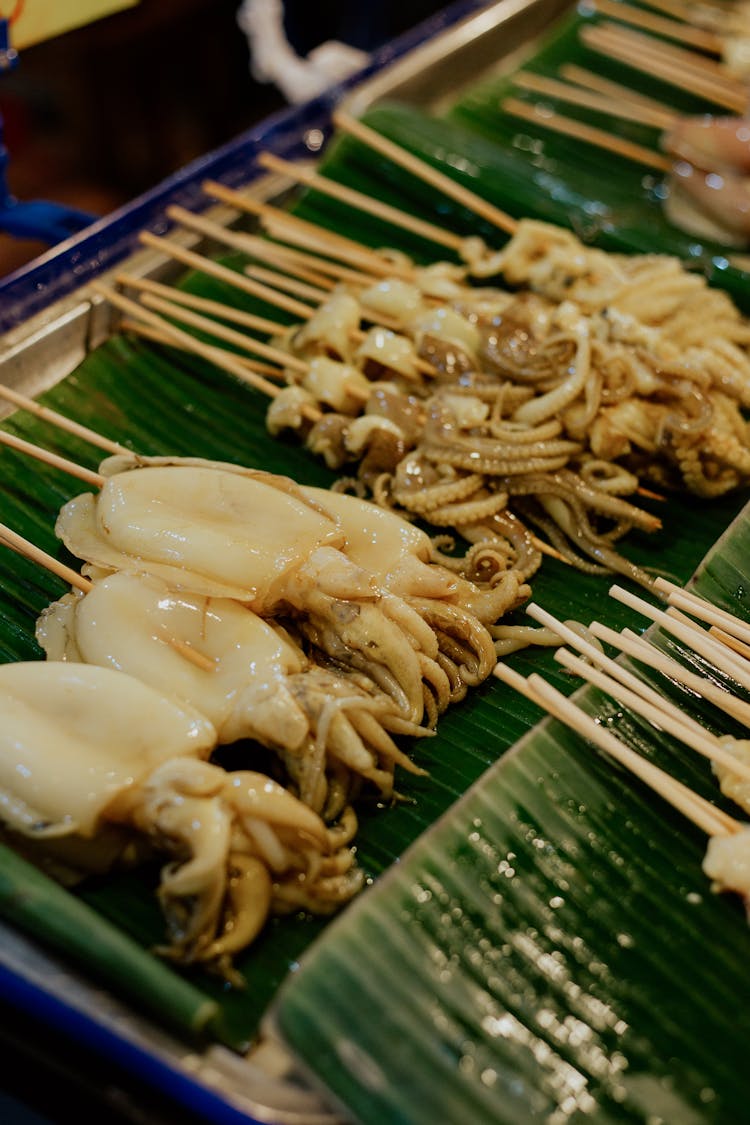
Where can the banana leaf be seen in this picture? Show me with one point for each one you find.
(550, 950)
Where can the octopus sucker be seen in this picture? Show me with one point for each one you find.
(137, 759)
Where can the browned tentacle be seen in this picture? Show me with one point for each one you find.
(306, 771)
(247, 906)
(527, 558)
(345, 744)
(535, 515)
(425, 498)
(431, 709)
(320, 896)
(596, 548)
(343, 788)
(490, 604)
(459, 688)
(344, 830)
(481, 507)
(360, 636)
(459, 625)
(436, 680)
(400, 612)
(493, 465)
(373, 735)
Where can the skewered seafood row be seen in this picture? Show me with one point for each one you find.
(247, 677)
(239, 845)
(223, 531)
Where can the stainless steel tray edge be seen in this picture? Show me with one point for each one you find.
(433, 75)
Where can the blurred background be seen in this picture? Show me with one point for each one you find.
(101, 113)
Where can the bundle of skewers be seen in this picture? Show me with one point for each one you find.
(705, 157)
(723, 682)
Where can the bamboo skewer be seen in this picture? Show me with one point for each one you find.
(425, 172)
(590, 99)
(653, 48)
(590, 80)
(147, 332)
(317, 241)
(362, 202)
(229, 335)
(53, 459)
(35, 554)
(30, 551)
(685, 10)
(643, 651)
(617, 671)
(702, 609)
(222, 273)
(297, 288)
(301, 232)
(253, 245)
(570, 127)
(706, 816)
(250, 244)
(274, 295)
(201, 304)
(217, 356)
(696, 37)
(731, 642)
(675, 66)
(703, 743)
(60, 420)
(687, 632)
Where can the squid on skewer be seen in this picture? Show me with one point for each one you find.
(329, 729)
(86, 750)
(221, 530)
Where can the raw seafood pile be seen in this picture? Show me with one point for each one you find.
(547, 404)
(315, 625)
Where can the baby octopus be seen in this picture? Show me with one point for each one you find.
(86, 750)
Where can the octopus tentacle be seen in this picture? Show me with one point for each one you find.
(248, 903)
(471, 511)
(427, 497)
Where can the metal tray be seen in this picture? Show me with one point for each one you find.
(49, 322)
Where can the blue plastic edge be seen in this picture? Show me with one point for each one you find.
(50, 277)
(53, 1012)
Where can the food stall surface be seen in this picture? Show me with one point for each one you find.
(508, 965)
